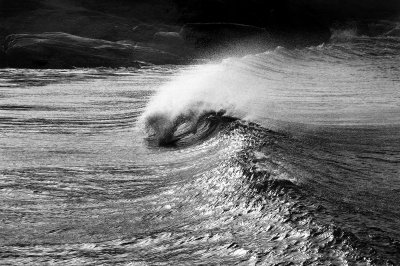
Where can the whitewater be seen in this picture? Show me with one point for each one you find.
(286, 157)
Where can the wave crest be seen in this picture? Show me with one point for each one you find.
(194, 103)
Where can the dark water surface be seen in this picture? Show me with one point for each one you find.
(290, 157)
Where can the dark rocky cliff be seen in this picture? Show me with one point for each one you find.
(159, 25)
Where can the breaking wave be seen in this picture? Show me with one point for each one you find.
(293, 113)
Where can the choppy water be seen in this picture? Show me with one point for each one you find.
(290, 157)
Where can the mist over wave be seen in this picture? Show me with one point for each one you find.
(338, 83)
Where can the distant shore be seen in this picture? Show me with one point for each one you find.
(75, 33)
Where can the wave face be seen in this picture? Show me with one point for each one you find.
(339, 83)
(289, 157)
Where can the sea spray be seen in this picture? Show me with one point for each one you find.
(196, 92)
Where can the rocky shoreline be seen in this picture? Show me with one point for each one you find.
(193, 41)
(62, 50)
(77, 33)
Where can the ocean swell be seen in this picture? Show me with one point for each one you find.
(295, 124)
(316, 86)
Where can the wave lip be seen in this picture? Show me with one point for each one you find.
(184, 129)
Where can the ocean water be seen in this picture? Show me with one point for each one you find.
(288, 157)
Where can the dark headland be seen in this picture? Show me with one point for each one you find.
(123, 33)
